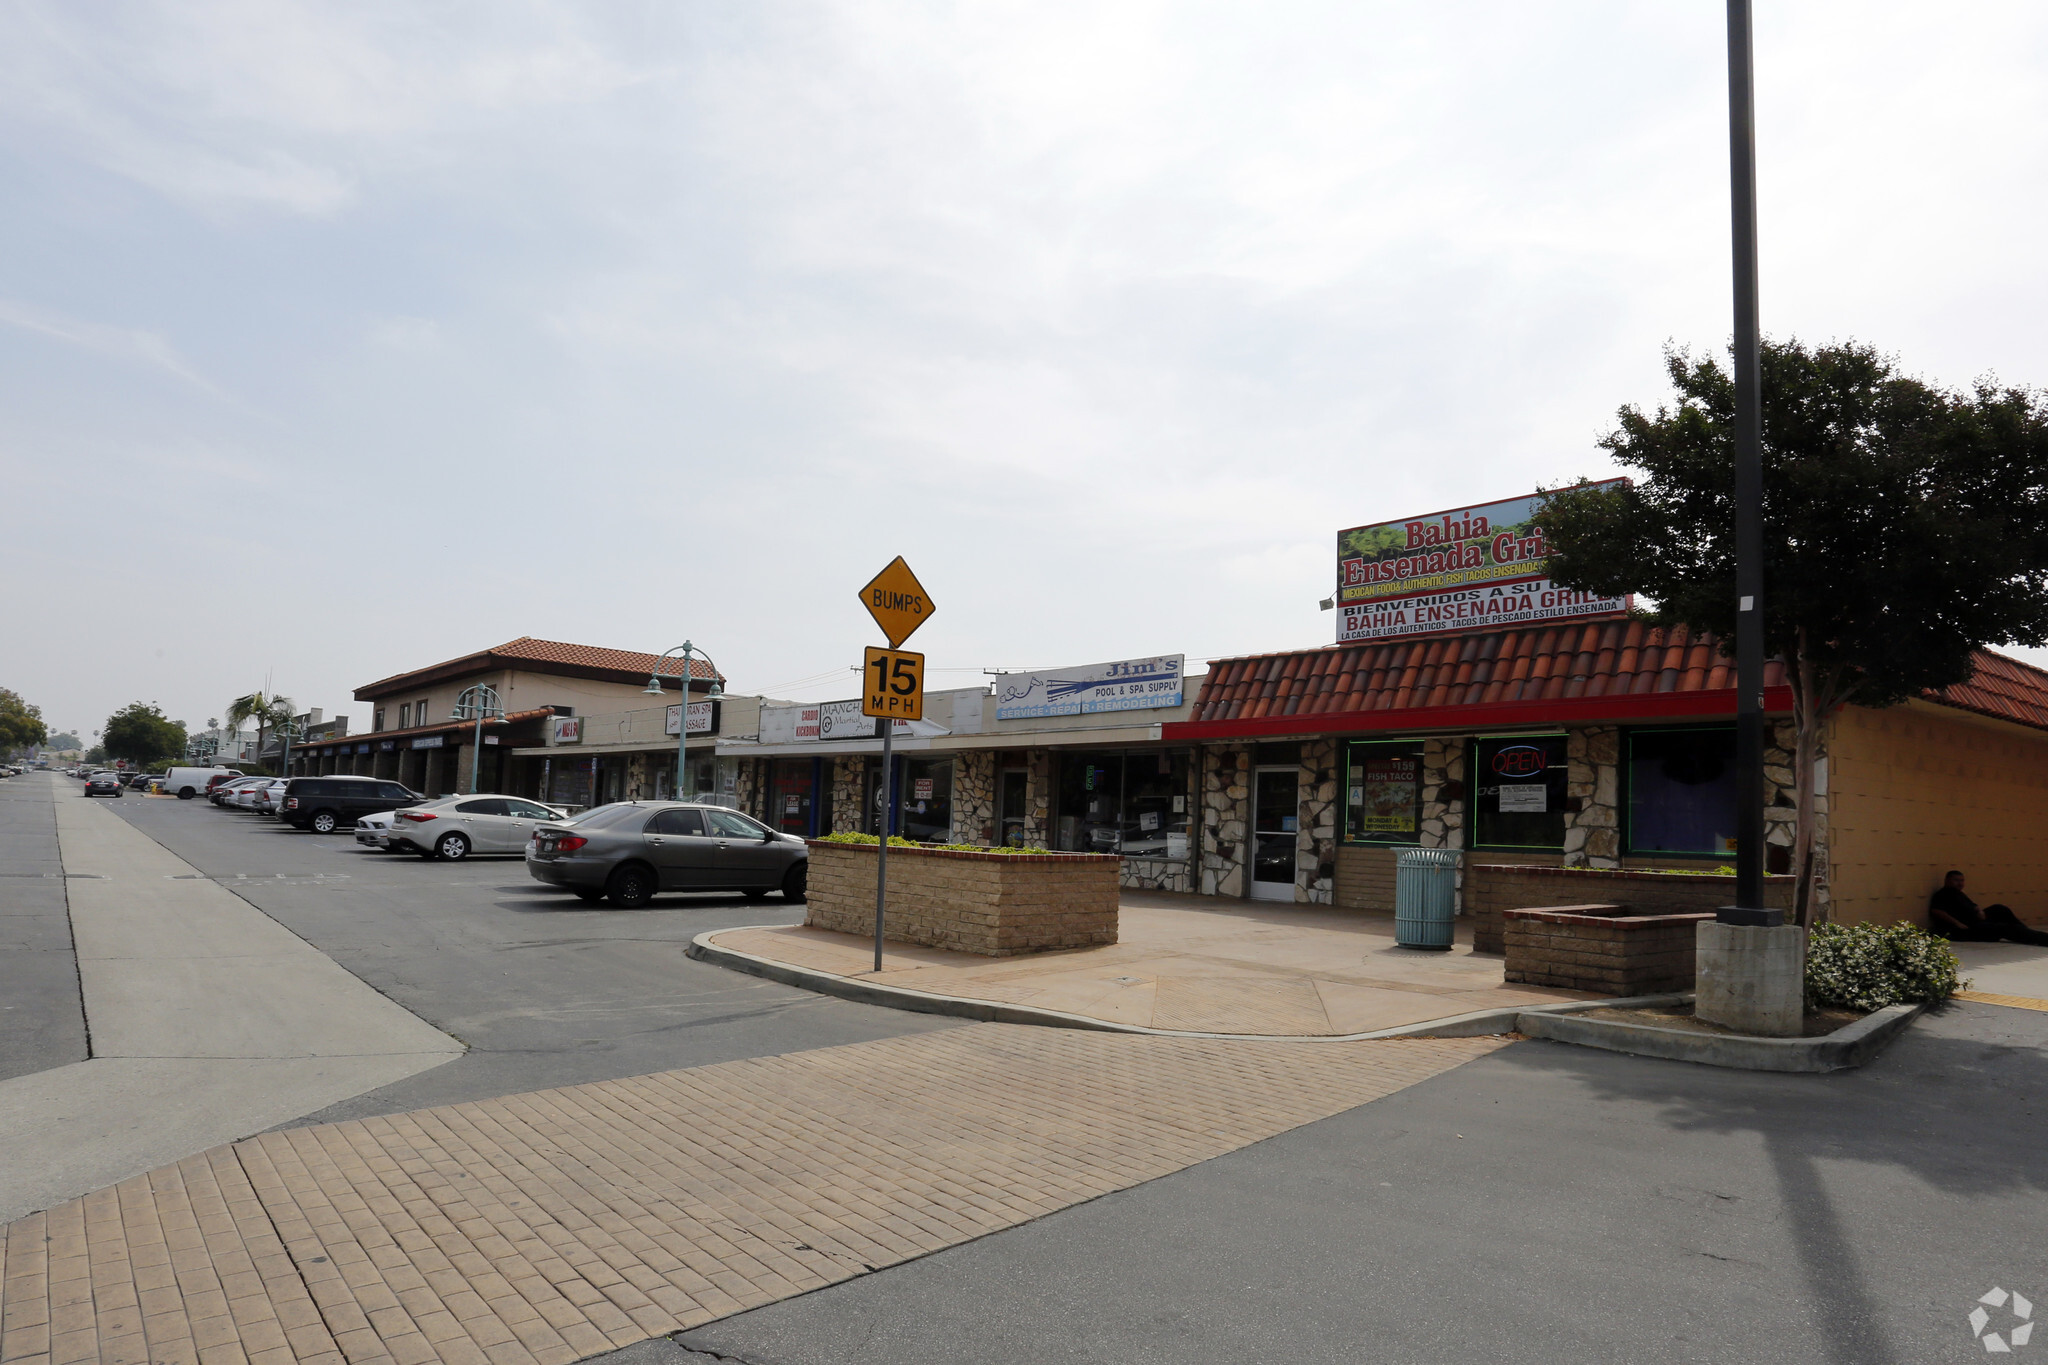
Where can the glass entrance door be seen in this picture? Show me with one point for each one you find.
(1276, 814)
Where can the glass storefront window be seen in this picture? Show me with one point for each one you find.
(1518, 791)
(1136, 804)
(1383, 793)
(1681, 791)
(926, 798)
(793, 795)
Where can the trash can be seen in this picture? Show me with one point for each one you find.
(1426, 897)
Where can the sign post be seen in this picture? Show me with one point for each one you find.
(892, 689)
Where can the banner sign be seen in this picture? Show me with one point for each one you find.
(1127, 685)
(1502, 604)
(1464, 569)
(788, 724)
(428, 742)
(566, 729)
(843, 720)
(703, 718)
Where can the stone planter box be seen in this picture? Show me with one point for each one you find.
(1605, 949)
(997, 904)
(1492, 889)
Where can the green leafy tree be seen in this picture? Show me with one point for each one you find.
(67, 740)
(1905, 526)
(139, 733)
(267, 712)
(21, 725)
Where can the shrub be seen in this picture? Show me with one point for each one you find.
(847, 836)
(1869, 966)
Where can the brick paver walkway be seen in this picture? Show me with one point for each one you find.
(537, 1229)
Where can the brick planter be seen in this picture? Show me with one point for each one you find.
(1492, 889)
(1602, 948)
(996, 904)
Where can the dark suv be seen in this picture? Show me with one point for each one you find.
(325, 804)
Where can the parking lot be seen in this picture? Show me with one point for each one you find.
(544, 989)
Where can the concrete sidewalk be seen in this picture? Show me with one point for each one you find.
(207, 1021)
(2014, 974)
(1193, 964)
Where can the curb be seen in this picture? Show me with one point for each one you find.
(1476, 1024)
(1849, 1046)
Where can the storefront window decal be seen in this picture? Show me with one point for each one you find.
(1383, 793)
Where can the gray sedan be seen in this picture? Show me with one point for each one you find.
(627, 852)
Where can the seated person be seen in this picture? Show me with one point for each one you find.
(1955, 916)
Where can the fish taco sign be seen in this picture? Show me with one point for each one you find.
(1464, 569)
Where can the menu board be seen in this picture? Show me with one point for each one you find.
(1386, 794)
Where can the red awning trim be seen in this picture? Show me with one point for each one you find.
(1717, 704)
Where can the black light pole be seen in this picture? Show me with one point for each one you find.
(1749, 487)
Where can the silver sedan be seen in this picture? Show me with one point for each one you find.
(625, 853)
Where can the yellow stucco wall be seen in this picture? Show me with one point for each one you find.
(1917, 789)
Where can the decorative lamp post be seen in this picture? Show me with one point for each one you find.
(286, 731)
(654, 689)
(479, 703)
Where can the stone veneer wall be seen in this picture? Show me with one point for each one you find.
(1599, 951)
(849, 792)
(1492, 889)
(1038, 799)
(974, 797)
(1315, 842)
(1592, 817)
(1226, 790)
(995, 904)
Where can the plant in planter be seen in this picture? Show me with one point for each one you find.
(1869, 966)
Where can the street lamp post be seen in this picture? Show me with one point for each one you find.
(1749, 483)
(479, 703)
(654, 689)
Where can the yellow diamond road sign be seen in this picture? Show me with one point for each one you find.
(897, 601)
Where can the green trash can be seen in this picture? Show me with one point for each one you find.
(1426, 897)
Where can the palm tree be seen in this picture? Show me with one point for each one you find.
(265, 711)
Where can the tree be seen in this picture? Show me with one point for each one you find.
(139, 733)
(21, 725)
(67, 740)
(265, 711)
(1905, 527)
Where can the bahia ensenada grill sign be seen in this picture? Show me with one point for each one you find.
(1463, 569)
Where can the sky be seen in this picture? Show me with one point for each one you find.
(337, 340)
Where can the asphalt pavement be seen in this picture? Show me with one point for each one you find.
(1543, 1204)
(543, 989)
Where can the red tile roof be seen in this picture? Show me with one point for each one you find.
(2001, 687)
(1531, 674)
(544, 656)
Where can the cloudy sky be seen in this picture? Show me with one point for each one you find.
(340, 339)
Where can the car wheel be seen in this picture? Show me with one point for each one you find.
(630, 886)
(452, 847)
(185, 793)
(794, 881)
(323, 822)
(591, 896)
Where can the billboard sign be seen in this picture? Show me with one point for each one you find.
(1126, 685)
(1466, 568)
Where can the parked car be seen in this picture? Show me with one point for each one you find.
(269, 796)
(102, 784)
(223, 794)
(456, 826)
(250, 793)
(627, 852)
(374, 829)
(219, 775)
(325, 804)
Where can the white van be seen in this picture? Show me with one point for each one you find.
(186, 783)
